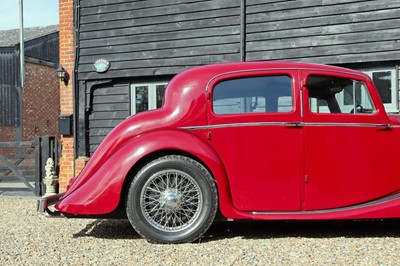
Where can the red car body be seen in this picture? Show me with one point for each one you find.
(295, 163)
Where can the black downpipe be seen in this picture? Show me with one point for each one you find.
(243, 30)
(75, 76)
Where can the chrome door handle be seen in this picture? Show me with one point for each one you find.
(293, 124)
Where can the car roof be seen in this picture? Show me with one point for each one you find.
(212, 70)
(206, 73)
(281, 65)
(195, 81)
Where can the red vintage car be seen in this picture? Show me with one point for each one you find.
(254, 140)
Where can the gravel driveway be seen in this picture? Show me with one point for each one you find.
(27, 238)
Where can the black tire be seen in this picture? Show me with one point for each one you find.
(172, 199)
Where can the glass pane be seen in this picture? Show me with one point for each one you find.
(338, 95)
(255, 94)
(229, 106)
(142, 98)
(318, 106)
(362, 98)
(160, 91)
(383, 83)
(348, 95)
(285, 104)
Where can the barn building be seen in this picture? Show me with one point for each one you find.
(122, 53)
(33, 110)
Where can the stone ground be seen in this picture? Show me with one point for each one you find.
(28, 238)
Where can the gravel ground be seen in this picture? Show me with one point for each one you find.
(28, 238)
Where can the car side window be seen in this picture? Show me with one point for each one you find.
(253, 94)
(338, 95)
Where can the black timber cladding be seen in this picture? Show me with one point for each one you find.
(110, 105)
(42, 45)
(9, 66)
(153, 37)
(323, 31)
(9, 111)
(45, 48)
(9, 82)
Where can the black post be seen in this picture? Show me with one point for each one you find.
(48, 149)
(56, 156)
(38, 164)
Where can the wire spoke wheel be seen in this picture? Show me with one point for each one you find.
(171, 200)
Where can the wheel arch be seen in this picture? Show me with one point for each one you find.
(147, 159)
(105, 191)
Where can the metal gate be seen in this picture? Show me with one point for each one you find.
(24, 161)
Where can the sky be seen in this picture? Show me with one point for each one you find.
(36, 13)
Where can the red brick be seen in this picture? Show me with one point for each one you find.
(40, 104)
(66, 96)
(40, 114)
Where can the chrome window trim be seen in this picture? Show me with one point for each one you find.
(290, 124)
(360, 75)
(301, 104)
(249, 124)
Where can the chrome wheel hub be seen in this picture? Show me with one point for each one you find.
(171, 200)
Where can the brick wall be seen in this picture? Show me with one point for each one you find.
(66, 26)
(40, 106)
(40, 101)
(7, 134)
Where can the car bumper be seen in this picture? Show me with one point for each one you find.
(44, 202)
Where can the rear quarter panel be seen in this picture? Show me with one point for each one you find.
(101, 193)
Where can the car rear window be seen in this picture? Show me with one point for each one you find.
(253, 94)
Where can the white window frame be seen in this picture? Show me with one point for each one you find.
(152, 95)
(393, 106)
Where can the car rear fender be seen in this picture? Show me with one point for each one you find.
(101, 193)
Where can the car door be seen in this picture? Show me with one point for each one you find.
(254, 125)
(347, 140)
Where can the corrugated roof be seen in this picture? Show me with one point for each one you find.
(11, 37)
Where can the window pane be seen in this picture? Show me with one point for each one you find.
(318, 106)
(142, 98)
(383, 83)
(338, 95)
(348, 95)
(160, 91)
(255, 94)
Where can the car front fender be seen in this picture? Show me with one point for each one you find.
(101, 193)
